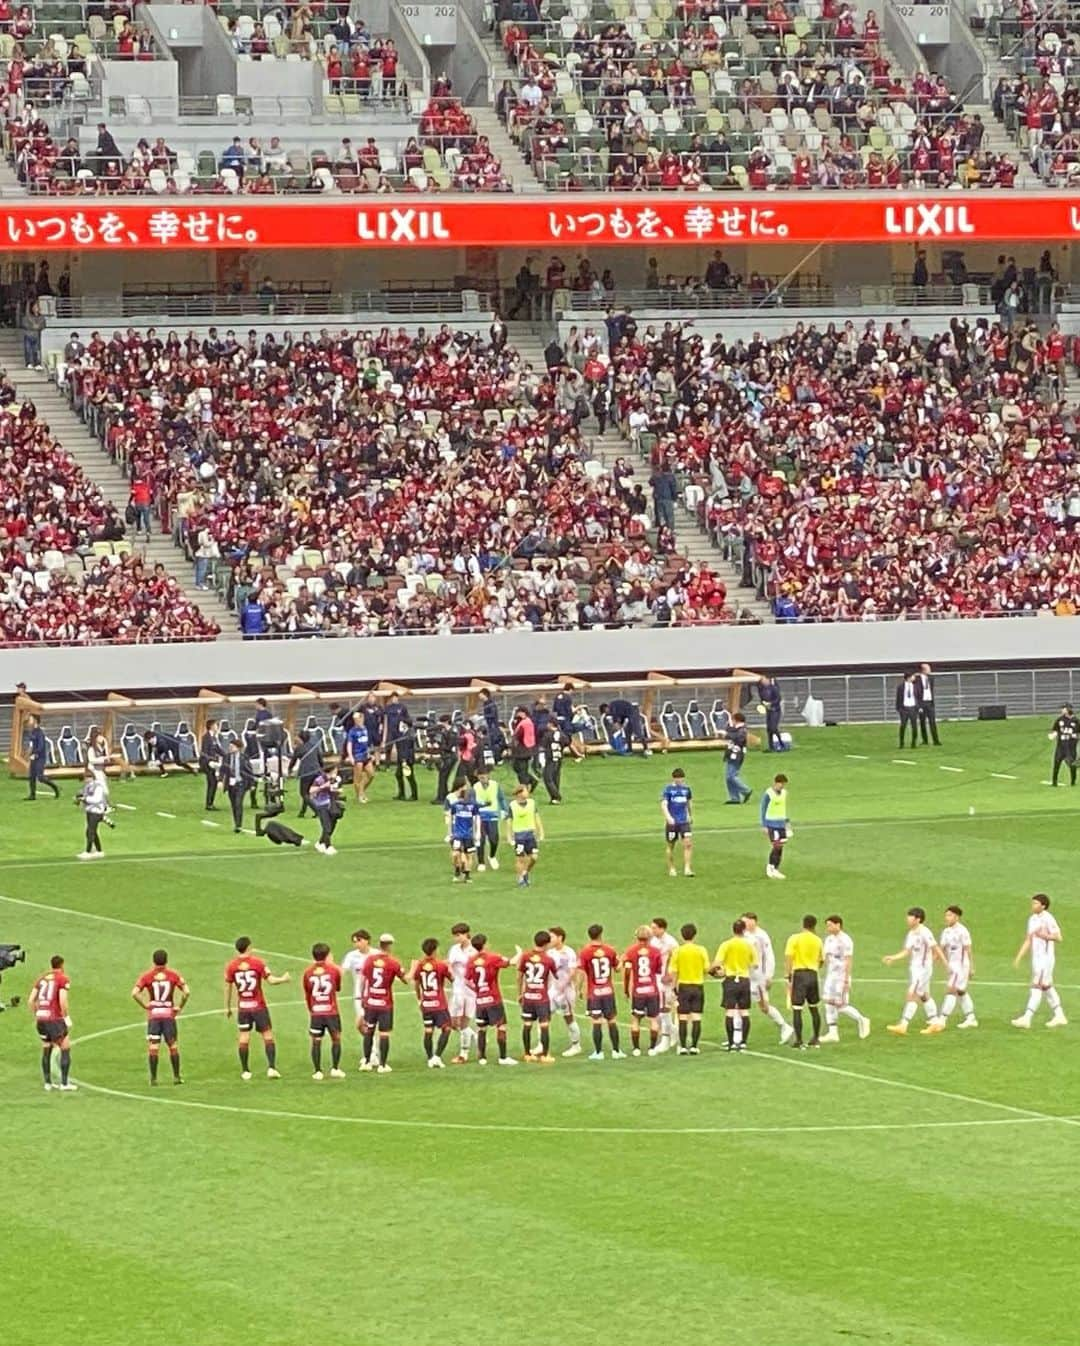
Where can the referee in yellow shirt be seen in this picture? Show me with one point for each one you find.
(803, 955)
(735, 959)
(687, 967)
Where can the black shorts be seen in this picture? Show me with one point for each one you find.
(51, 1030)
(253, 1021)
(601, 1006)
(777, 835)
(536, 1011)
(490, 1016)
(436, 1018)
(324, 1023)
(524, 843)
(677, 830)
(804, 987)
(381, 1020)
(691, 999)
(645, 1006)
(463, 845)
(736, 993)
(161, 1030)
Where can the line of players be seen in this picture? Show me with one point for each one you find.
(663, 978)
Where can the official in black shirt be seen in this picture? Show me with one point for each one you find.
(237, 778)
(769, 696)
(307, 759)
(924, 686)
(38, 752)
(210, 761)
(549, 754)
(404, 748)
(1065, 732)
(907, 708)
(444, 742)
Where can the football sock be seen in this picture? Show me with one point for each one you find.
(654, 1038)
(775, 856)
(796, 1019)
(1053, 999)
(745, 1029)
(526, 1038)
(908, 1012)
(967, 1004)
(65, 1064)
(613, 1033)
(545, 1040)
(481, 1041)
(682, 1032)
(597, 1037)
(815, 1019)
(575, 1033)
(502, 1046)
(852, 1013)
(695, 1033)
(729, 1029)
(244, 1053)
(427, 1043)
(666, 1025)
(444, 1038)
(153, 1059)
(316, 1054)
(174, 1058)
(271, 1054)
(46, 1064)
(736, 1029)
(775, 1015)
(468, 1040)
(635, 1036)
(830, 1016)
(1034, 1000)
(948, 1005)
(930, 1007)
(384, 1048)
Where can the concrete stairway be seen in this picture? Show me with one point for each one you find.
(504, 149)
(692, 540)
(69, 430)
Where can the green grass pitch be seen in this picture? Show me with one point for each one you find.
(914, 1192)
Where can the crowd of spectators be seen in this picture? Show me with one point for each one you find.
(53, 522)
(385, 481)
(867, 474)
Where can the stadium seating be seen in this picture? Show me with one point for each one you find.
(634, 96)
(387, 482)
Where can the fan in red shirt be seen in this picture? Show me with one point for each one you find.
(642, 966)
(245, 976)
(157, 991)
(49, 1006)
(381, 970)
(429, 976)
(322, 982)
(535, 970)
(482, 975)
(597, 962)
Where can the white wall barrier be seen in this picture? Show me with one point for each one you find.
(524, 654)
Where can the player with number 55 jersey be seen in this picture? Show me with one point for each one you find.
(244, 978)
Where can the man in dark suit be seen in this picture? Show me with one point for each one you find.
(210, 761)
(237, 778)
(307, 758)
(38, 751)
(924, 685)
(769, 696)
(907, 708)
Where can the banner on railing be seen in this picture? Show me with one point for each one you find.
(536, 222)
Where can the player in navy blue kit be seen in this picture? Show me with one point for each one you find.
(675, 805)
(358, 752)
(462, 816)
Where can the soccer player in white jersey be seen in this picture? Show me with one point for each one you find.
(1042, 938)
(353, 962)
(839, 953)
(761, 976)
(955, 944)
(666, 942)
(462, 996)
(564, 986)
(921, 950)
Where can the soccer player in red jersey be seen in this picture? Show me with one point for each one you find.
(381, 970)
(597, 962)
(643, 966)
(156, 992)
(322, 982)
(428, 976)
(245, 975)
(535, 970)
(482, 974)
(49, 1005)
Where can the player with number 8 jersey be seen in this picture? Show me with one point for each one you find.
(643, 966)
(322, 982)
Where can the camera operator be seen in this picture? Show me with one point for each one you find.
(274, 804)
(237, 778)
(271, 735)
(307, 761)
(10, 954)
(210, 762)
(95, 805)
(444, 743)
(326, 801)
(404, 748)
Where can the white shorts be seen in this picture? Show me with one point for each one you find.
(835, 989)
(358, 1008)
(919, 985)
(1042, 972)
(565, 1003)
(757, 984)
(958, 981)
(462, 1003)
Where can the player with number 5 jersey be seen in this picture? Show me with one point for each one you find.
(162, 993)
(381, 971)
(244, 978)
(322, 982)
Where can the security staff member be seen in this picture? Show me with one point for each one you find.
(307, 758)
(237, 778)
(735, 959)
(549, 755)
(1065, 732)
(489, 708)
(769, 696)
(38, 750)
(924, 686)
(444, 742)
(734, 756)
(803, 955)
(907, 708)
(404, 747)
(563, 710)
(210, 762)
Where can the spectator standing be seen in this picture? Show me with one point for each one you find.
(665, 489)
(139, 501)
(33, 325)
